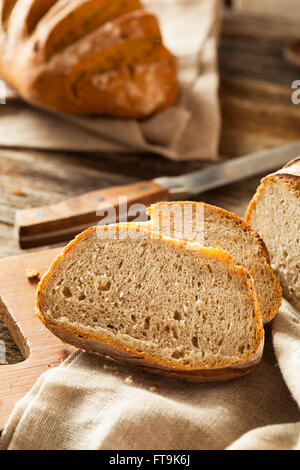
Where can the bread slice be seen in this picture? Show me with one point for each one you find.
(170, 306)
(275, 213)
(222, 228)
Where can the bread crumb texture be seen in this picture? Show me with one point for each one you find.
(153, 298)
(275, 213)
(221, 228)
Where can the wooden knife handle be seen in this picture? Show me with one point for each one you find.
(62, 221)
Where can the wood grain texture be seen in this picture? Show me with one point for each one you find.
(64, 220)
(40, 349)
(256, 80)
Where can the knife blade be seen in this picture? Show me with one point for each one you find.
(230, 171)
(62, 221)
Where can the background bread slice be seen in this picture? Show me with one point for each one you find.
(275, 213)
(222, 228)
(170, 306)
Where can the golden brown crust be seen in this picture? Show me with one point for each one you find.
(104, 88)
(87, 57)
(292, 162)
(77, 335)
(262, 249)
(229, 215)
(6, 7)
(82, 18)
(129, 357)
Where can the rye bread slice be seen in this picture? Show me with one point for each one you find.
(170, 306)
(219, 227)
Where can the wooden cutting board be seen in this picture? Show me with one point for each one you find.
(40, 348)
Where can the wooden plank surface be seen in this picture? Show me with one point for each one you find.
(40, 348)
(256, 80)
(257, 112)
(286, 8)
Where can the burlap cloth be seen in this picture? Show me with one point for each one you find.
(187, 130)
(91, 403)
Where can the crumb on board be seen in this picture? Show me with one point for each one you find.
(32, 275)
(110, 368)
(18, 192)
(153, 388)
(128, 379)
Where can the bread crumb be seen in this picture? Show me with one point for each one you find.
(128, 379)
(153, 388)
(111, 368)
(18, 192)
(32, 274)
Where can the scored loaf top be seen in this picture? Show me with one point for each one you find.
(87, 56)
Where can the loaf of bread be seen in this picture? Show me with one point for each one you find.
(275, 213)
(169, 306)
(219, 227)
(97, 57)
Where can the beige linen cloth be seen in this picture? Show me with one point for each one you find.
(187, 130)
(92, 403)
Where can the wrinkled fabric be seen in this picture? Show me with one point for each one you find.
(187, 130)
(91, 402)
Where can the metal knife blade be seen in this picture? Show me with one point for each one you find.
(61, 221)
(230, 171)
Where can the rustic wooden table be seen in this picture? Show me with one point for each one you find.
(257, 112)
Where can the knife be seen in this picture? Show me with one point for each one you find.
(62, 221)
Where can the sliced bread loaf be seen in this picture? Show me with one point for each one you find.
(170, 306)
(275, 213)
(218, 227)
